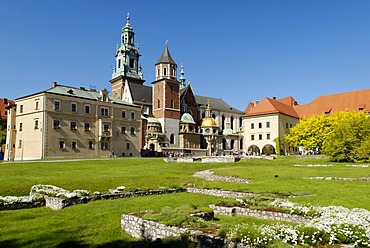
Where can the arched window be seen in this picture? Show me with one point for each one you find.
(172, 138)
(164, 71)
(232, 144)
(224, 144)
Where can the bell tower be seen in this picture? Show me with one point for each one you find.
(166, 97)
(127, 68)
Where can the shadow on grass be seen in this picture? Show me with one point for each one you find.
(114, 244)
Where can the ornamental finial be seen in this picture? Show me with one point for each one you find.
(128, 18)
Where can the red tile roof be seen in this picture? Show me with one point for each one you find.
(353, 101)
(271, 106)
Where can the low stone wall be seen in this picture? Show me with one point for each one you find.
(339, 178)
(58, 203)
(230, 211)
(205, 159)
(221, 193)
(23, 205)
(209, 176)
(151, 231)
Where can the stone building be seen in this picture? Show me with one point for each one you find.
(172, 114)
(72, 122)
(266, 123)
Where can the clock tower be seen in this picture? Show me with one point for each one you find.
(127, 68)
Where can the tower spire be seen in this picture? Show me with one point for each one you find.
(182, 79)
(128, 18)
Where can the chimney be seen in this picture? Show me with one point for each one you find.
(255, 102)
(274, 97)
(54, 84)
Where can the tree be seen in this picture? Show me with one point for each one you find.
(345, 136)
(310, 132)
(349, 137)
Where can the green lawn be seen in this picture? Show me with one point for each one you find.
(97, 224)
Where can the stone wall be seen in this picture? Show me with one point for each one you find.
(221, 193)
(22, 205)
(230, 211)
(151, 231)
(58, 203)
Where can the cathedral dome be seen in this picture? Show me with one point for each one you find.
(228, 131)
(209, 122)
(187, 118)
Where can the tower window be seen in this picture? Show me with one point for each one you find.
(119, 63)
(21, 109)
(132, 63)
(159, 103)
(172, 104)
(164, 71)
(172, 138)
(20, 126)
(157, 72)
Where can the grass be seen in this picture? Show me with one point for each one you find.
(97, 224)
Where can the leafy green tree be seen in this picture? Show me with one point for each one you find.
(310, 132)
(348, 139)
(345, 136)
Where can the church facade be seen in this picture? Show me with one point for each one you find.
(171, 112)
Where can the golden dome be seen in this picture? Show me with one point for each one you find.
(209, 122)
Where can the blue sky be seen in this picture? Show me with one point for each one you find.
(235, 50)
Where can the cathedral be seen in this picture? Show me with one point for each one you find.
(174, 118)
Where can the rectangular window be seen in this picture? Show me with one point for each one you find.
(123, 114)
(132, 130)
(87, 109)
(132, 115)
(74, 145)
(287, 125)
(36, 105)
(260, 125)
(62, 144)
(104, 112)
(260, 136)
(36, 124)
(20, 126)
(86, 126)
(127, 146)
(291, 125)
(56, 124)
(106, 127)
(252, 125)
(268, 124)
(56, 105)
(20, 144)
(268, 136)
(74, 107)
(252, 137)
(104, 145)
(73, 125)
(123, 129)
(90, 144)
(21, 109)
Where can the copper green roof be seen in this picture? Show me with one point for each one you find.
(187, 118)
